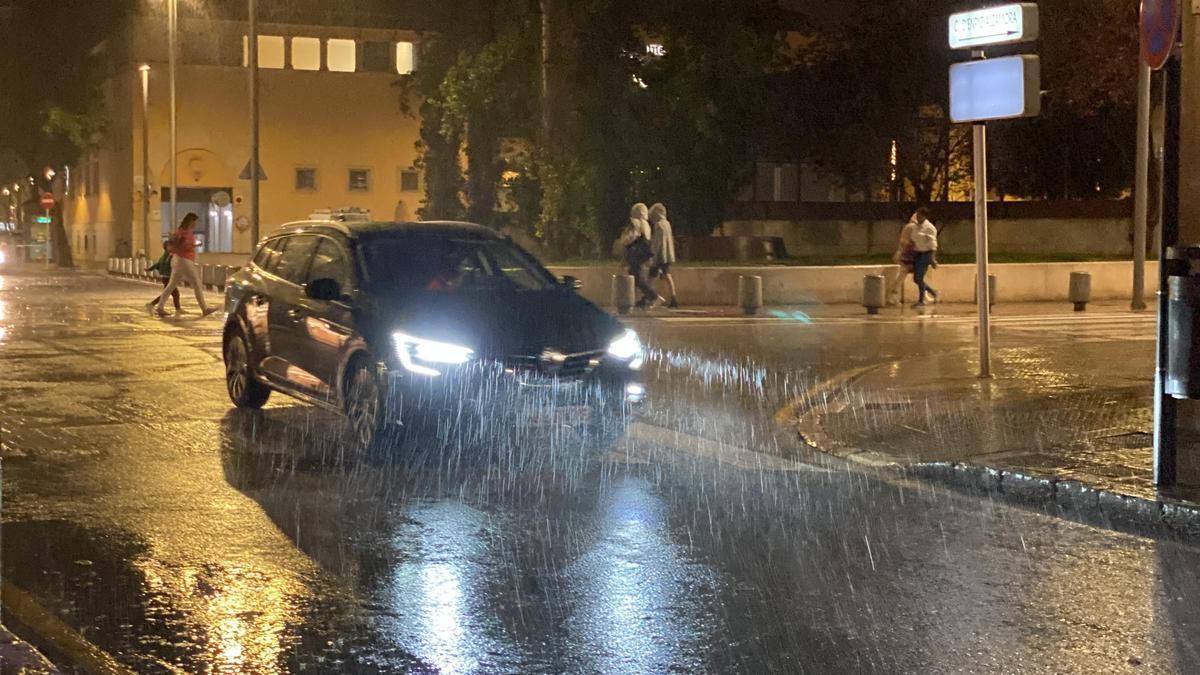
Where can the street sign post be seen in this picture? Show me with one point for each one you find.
(1004, 24)
(983, 90)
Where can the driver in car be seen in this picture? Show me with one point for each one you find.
(449, 277)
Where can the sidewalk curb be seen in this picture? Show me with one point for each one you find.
(18, 656)
(1070, 499)
(63, 643)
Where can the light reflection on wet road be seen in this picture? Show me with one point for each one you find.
(176, 533)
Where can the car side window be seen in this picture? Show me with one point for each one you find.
(329, 262)
(268, 256)
(293, 263)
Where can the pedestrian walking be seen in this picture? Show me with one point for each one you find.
(904, 257)
(163, 267)
(925, 244)
(662, 245)
(635, 244)
(182, 246)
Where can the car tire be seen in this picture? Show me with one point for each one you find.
(365, 407)
(244, 390)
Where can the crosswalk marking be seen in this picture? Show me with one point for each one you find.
(1083, 326)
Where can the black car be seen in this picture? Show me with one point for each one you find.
(390, 323)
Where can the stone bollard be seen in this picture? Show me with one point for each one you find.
(622, 292)
(139, 268)
(112, 263)
(222, 278)
(1081, 290)
(207, 276)
(750, 294)
(126, 266)
(874, 293)
(991, 290)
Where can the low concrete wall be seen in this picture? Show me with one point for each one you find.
(1089, 236)
(1016, 282)
(230, 259)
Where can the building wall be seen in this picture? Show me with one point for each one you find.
(328, 121)
(1106, 236)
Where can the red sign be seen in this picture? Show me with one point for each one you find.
(47, 200)
(1159, 23)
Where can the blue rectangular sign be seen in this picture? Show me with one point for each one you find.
(995, 89)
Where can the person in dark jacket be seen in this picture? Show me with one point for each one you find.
(635, 242)
(163, 267)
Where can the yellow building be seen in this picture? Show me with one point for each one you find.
(333, 134)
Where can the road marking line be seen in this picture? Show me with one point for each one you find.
(724, 453)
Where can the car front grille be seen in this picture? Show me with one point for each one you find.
(552, 365)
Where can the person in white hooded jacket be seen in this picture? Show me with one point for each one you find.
(662, 244)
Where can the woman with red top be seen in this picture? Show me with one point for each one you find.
(182, 246)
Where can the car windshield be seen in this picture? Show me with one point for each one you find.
(415, 262)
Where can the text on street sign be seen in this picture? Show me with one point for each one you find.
(1004, 24)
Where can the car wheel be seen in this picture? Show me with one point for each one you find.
(244, 390)
(365, 411)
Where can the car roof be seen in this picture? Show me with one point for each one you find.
(366, 230)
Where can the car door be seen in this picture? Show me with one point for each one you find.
(285, 317)
(325, 326)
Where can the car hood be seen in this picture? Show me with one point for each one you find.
(503, 323)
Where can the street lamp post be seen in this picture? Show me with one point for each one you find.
(144, 69)
(172, 39)
(252, 63)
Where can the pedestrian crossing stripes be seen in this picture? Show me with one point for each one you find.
(1085, 326)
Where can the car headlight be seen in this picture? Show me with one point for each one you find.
(415, 352)
(627, 348)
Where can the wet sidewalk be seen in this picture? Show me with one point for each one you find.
(1068, 421)
(17, 656)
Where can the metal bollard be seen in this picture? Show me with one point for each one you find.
(991, 290)
(207, 275)
(750, 294)
(874, 293)
(622, 292)
(1081, 290)
(222, 276)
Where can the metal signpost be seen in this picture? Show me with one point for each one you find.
(1159, 24)
(995, 89)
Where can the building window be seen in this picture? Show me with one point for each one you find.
(270, 51)
(306, 53)
(360, 180)
(306, 179)
(406, 58)
(341, 55)
(376, 57)
(410, 180)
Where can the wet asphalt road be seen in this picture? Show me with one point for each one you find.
(180, 535)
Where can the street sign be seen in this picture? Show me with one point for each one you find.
(43, 220)
(245, 174)
(1159, 22)
(1001, 25)
(47, 200)
(996, 89)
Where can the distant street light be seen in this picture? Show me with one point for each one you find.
(50, 173)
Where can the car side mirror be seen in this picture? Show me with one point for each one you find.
(323, 289)
(571, 283)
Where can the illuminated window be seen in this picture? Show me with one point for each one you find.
(306, 53)
(270, 51)
(406, 61)
(341, 56)
(359, 180)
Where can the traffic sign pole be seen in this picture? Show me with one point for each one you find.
(982, 288)
(1165, 408)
